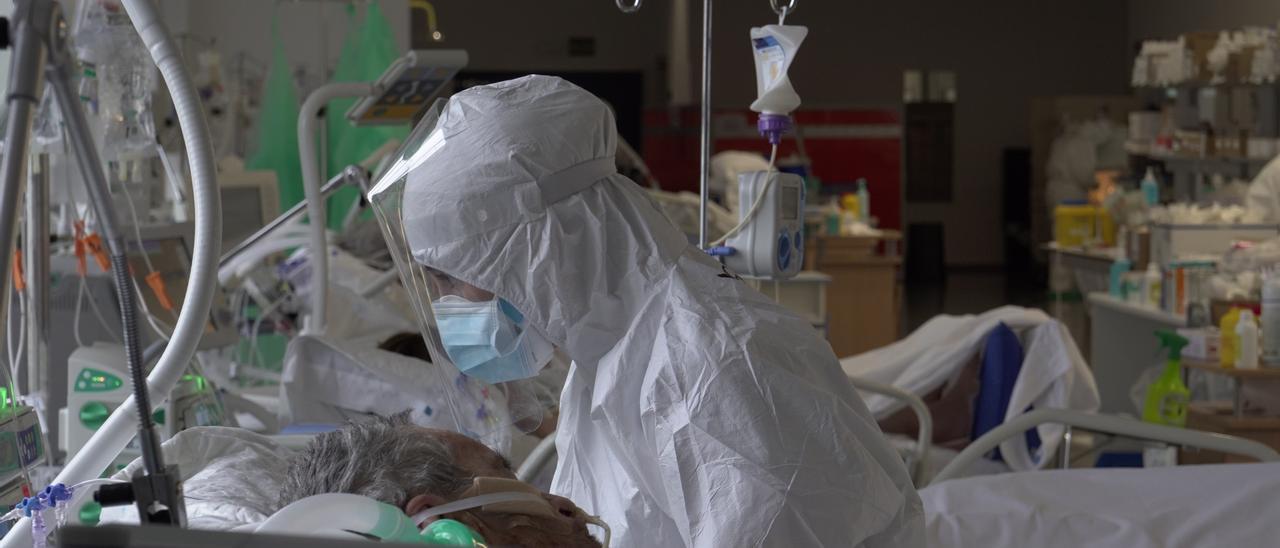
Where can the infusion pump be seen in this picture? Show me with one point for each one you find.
(771, 244)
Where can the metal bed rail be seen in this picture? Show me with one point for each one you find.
(1108, 425)
(924, 440)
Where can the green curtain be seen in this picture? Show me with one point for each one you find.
(278, 127)
(368, 49)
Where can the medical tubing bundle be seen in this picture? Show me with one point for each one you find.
(115, 434)
(58, 496)
(100, 194)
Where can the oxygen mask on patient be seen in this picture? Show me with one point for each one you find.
(505, 506)
(496, 495)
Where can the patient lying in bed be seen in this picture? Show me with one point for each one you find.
(416, 468)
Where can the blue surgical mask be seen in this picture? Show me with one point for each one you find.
(489, 340)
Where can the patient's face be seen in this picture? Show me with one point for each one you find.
(569, 528)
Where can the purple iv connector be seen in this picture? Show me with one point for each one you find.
(772, 126)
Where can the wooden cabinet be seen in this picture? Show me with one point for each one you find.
(1237, 417)
(864, 297)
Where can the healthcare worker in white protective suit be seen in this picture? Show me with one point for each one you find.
(697, 412)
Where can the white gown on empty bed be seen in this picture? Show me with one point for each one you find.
(1054, 374)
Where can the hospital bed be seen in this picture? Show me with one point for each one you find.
(974, 372)
(231, 479)
(1204, 505)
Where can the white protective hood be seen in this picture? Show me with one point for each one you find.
(1053, 374)
(697, 411)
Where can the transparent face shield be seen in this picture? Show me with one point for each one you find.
(480, 345)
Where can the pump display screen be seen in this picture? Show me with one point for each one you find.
(408, 85)
(790, 203)
(408, 95)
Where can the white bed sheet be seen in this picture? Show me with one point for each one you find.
(231, 477)
(1209, 505)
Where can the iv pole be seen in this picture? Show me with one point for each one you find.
(41, 55)
(705, 130)
(39, 36)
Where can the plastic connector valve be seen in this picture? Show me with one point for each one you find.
(721, 251)
(57, 493)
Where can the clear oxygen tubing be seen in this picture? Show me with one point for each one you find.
(308, 123)
(537, 459)
(112, 437)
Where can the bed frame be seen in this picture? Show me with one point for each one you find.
(1105, 424)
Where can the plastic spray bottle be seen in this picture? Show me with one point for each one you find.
(1167, 398)
(1150, 189)
(864, 201)
(1246, 341)
(1227, 347)
(775, 48)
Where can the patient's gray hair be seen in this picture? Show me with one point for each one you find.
(386, 459)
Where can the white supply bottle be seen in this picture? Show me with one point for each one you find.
(1150, 189)
(1152, 286)
(864, 202)
(1270, 328)
(1247, 335)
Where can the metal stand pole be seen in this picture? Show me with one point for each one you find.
(1066, 446)
(100, 194)
(40, 49)
(31, 20)
(706, 125)
(36, 246)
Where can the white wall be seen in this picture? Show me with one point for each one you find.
(505, 35)
(1168, 18)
